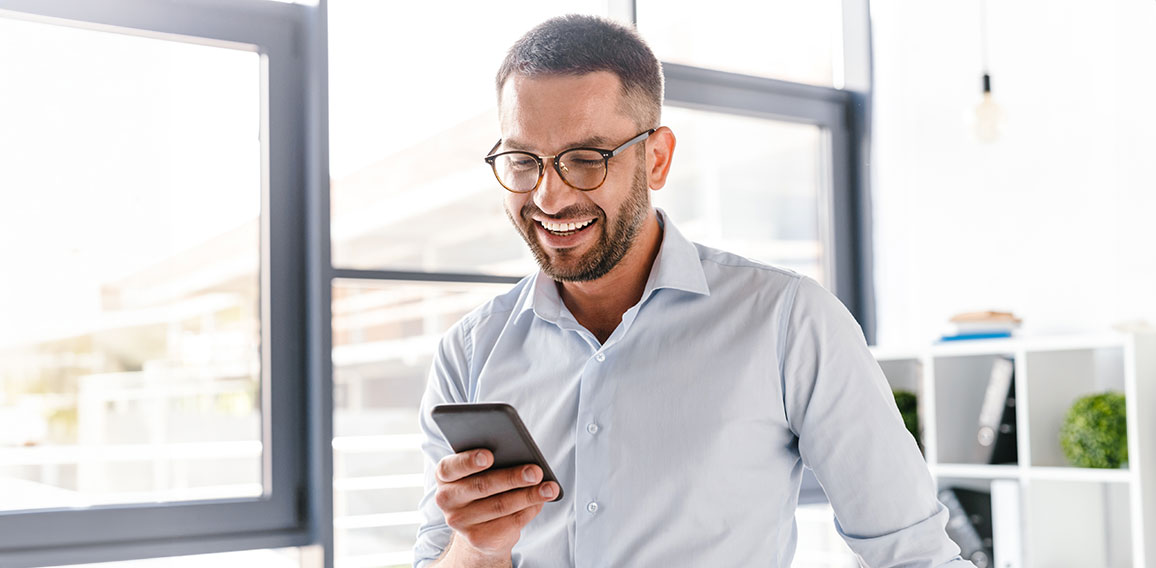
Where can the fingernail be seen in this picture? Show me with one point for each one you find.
(480, 459)
(547, 490)
(530, 475)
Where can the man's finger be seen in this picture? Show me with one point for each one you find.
(460, 493)
(457, 466)
(510, 503)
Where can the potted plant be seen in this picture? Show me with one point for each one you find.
(1095, 432)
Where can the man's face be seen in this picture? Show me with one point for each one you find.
(545, 116)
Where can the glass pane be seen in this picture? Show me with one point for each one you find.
(751, 186)
(130, 350)
(384, 338)
(793, 41)
(407, 134)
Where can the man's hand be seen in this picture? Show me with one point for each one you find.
(488, 508)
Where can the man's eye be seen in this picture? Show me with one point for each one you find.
(523, 163)
(584, 163)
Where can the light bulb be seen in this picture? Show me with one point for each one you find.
(989, 117)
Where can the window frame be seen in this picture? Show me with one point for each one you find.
(282, 516)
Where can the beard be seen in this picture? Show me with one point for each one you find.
(611, 245)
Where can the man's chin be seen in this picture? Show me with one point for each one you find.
(564, 270)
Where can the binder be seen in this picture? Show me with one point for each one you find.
(996, 436)
(969, 523)
(1005, 522)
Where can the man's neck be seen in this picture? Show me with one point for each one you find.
(598, 305)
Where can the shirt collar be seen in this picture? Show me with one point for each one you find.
(677, 267)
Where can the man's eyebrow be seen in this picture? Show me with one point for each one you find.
(590, 142)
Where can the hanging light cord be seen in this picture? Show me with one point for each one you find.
(983, 45)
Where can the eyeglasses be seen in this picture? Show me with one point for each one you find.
(583, 169)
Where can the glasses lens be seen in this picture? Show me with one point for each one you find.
(583, 169)
(517, 171)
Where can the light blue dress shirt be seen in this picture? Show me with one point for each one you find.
(681, 440)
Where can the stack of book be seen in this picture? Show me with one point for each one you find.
(982, 325)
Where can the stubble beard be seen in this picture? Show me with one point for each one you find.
(608, 250)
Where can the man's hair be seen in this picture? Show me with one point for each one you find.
(577, 45)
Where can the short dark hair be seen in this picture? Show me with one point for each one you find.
(577, 45)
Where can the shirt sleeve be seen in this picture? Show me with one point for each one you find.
(446, 383)
(851, 434)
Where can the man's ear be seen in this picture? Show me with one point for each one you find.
(659, 151)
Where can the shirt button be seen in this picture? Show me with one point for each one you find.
(592, 428)
(600, 357)
(592, 507)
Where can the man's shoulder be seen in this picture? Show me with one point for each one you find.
(728, 264)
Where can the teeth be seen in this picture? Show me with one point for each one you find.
(564, 227)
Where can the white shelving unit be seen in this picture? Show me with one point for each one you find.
(1068, 516)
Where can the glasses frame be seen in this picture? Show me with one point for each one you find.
(606, 155)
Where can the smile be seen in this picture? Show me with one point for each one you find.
(565, 229)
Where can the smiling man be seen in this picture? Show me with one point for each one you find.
(675, 390)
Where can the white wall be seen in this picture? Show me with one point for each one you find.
(1055, 221)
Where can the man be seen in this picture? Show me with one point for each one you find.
(675, 390)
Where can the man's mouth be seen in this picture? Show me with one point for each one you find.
(565, 229)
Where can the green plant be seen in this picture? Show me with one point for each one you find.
(909, 410)
(1095, 432)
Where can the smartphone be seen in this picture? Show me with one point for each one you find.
(494, 426)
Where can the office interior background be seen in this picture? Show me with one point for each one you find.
(233, 231)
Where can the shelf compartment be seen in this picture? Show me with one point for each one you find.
(1056, 379)
(960, 383)
(1004, 515)
(1099, 535)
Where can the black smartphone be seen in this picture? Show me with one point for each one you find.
(494, 426)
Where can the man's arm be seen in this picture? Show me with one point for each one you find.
(851, 434)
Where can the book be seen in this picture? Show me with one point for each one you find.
(969, 523)
(996, 433)
(975, 335)
(988, 316)
(1005, 523)
(981, 325)
(984, 327)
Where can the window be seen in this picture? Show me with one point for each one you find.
(752, 186)
(135, 376)
(800, 42)
(150, 380)
(385, 334)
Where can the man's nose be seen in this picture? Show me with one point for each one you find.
(553, 194)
